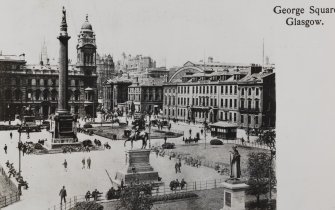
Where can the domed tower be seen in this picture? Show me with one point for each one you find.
(86, 62)
(86, 49)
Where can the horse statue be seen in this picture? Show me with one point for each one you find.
(135, 136)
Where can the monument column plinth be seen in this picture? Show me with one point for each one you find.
(138, 169)
(234, 194)
(65, 128)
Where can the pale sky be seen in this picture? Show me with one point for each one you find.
(174, 31)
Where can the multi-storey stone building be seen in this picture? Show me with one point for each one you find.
(36, 86)
(135, 64)
(198, 93)
(146, 95)
(105, 71)
(115, 93)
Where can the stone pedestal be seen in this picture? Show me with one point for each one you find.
(138, 169)
(99, 117)
(65, 131)
(234, 194)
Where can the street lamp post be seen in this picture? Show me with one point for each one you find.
(248, 128)
(149, 131)
(205, 133)
(19, 147)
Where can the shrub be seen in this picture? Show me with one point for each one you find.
(168, 146)
(216, 142)
(38, 146)
(87, 125)
(92, 205)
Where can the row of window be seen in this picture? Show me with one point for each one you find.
(227, 116)
(147, 97)
(227, 89)
(39, 95)
(206, 101)
(42, 82)
(224, 89)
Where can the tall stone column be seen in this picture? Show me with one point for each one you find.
(64, 133)
(63, 66)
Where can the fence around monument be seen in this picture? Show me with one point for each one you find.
(160, 191)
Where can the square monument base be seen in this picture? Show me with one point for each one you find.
(138, 169)
(234, 194)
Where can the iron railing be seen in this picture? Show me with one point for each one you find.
(10, 198)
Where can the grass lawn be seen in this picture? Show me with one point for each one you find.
(215, 154)
(108, 131)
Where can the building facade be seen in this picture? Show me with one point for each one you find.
(105, 71)
(115, 93)
(236, 94)
(146, 95)
(135, 64)
(36, 86)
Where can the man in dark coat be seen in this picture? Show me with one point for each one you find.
(62, 195)
(5, 148)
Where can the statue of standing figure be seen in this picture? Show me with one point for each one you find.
(64, 15)
(235, 165)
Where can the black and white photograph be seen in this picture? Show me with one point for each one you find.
(159, 105)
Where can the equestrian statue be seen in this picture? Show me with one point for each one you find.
(138, 135)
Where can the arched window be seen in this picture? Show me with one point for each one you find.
(77, 95)
(69, 95)
(29, 94)
(37, 94)
(54, 95)
(242, 103)
(45, 94)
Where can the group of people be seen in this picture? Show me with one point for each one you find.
(174, 184)
(26, 147)
(190, 139)
(83, 161)
(114, 193)
(12, 172)
(95, 195)
(177, 166)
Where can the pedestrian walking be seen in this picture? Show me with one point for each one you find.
(190, 131)
(11, 135)
(83, 162)
(176, 167)
(62, 195)
(95, 194)
(182, 183)
(65, 165)
(242, 140)
(179, 166)
(89, 163)
(5, 148)
(88, 196)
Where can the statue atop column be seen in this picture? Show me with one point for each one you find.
(235, 164)
(64, 15)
